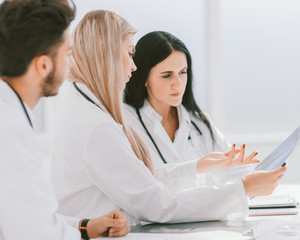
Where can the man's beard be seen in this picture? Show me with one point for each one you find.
(49, 87)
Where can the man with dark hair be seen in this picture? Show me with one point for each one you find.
(34, 56)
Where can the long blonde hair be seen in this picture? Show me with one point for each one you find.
(97, 53)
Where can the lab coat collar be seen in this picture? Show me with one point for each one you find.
(149, 111)
(182, 132)
(184, 124)
(11, 96)
(30, 114)
(183, 115)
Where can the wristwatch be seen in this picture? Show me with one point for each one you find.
(83, 229)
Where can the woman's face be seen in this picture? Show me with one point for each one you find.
(167, 81)
(128, 51)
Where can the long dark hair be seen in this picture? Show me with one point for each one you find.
(152, 49)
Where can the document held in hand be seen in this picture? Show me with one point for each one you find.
(278, 157)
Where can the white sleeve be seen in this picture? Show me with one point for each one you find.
(71, 221)
(27, 203)
(179, 176)
(113, 168)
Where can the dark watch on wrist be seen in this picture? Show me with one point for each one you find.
(83, 229)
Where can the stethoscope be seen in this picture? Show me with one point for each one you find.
(22, 103)
(151, 138)
(141, 120)
(85, 96)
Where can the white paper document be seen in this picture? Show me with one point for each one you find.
(273, 205)
(281, 201)
(276, 158)
(273, 212)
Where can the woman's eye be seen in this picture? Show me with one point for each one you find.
(131, 54)
(184, 72)
(166, 76)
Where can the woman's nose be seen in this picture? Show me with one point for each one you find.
(133, 66)
(177, 82)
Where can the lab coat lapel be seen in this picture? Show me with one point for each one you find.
(183, 131)
(153, 122)
(165, 144)
(10, 96)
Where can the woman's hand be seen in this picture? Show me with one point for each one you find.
(113, 224)
(262, 183)
(232, 158)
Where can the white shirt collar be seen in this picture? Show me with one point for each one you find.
(150, 112)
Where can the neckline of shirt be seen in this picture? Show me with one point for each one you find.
(150, 112)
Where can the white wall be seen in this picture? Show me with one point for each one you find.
(246, 55)
(254, 72)
(258, 65)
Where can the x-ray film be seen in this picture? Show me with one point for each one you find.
(278, 157)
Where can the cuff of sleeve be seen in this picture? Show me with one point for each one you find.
(178, 176)
(72, 221)
(222, 175)
(175, 170)
(189, 168)
(241, 202)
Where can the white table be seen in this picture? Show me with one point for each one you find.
(265, 227)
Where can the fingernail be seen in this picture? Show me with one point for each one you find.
(244, 145)
(121, 221)
(234, 145)
(256, 153)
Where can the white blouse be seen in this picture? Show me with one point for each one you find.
(95, 171)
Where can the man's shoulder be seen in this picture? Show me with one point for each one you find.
(10, 116)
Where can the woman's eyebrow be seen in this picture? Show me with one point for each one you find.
(166, 72)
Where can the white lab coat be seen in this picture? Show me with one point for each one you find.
(188, 146)
(27, 201)
(95, 171)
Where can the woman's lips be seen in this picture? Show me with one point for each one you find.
(175, 94)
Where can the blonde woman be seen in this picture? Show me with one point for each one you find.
(100, 163)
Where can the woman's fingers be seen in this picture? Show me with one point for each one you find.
(280, 176)
(237, 151)
(227, 154)
(240, 158)
(118, 232)
(253, 161)
(230, 159)
(249, 159)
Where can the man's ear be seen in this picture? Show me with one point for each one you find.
(43, 65)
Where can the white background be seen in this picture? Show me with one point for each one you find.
(246, 57)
